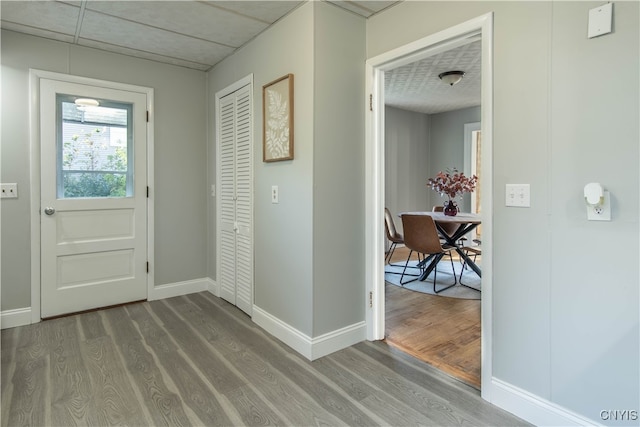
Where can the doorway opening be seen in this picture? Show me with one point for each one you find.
(480, 28)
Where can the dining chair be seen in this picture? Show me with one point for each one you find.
(474, 251)
(395, 238)
(421, 235)
(392, 234)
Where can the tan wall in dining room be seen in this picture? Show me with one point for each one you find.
(565, 303)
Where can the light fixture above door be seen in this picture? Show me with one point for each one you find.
(86, 102)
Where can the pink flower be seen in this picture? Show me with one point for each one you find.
(452, 183)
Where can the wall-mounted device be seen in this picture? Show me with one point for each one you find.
(598, 202)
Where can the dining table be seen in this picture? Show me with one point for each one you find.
(466, 222)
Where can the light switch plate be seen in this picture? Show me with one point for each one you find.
(518, 195)
(600, 20)
(9, 191)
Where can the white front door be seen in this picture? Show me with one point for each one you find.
(93, 209)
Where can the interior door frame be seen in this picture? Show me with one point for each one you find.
(479, 28)
(34, 175)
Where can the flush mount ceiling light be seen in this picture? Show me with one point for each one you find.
(86, 102)
(451, 77)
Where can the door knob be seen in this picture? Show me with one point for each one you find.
(49, 211)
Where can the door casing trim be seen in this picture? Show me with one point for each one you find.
(480, 28)
(34, 174)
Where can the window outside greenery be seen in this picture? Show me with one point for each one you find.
(93, 161)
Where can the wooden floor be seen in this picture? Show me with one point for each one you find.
(197, 360)
(444, 332)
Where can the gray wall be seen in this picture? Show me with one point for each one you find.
(180, 155)
(307, 245)
(407, 152)
(338, 169)
(447, 147)
(283, 232)
(417, 147)
(565, 305)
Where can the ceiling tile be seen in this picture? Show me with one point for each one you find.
(39, 32)
(265, 11)
(118, 32)
(364, 8)
(144, 55)
(52, 16)
(196, 19)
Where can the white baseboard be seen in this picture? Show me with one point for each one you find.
(17, 317)
(534, 409)
(177, 289)
(213, 287)
(22, 316)
(311, 348)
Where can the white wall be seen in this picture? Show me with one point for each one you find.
(180, 155)
(565, 290)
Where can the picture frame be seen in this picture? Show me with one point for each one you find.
(277, 120)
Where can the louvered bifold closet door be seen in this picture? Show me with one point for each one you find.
(244, 208)
(227, 188)
(236, 240)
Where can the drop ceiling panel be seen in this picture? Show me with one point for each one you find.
(39, 32)
(265, 11)
(57, 17)
(364, 8)
(195, 19)
(144, 55)
(118, 32)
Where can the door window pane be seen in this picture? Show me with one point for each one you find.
(95, 149)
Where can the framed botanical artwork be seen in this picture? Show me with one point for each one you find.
(277, 119)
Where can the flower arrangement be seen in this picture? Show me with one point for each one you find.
(453, 183)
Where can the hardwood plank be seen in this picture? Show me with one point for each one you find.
(387, 407)
(28, 393)
(113, 396)
(140, 361)
(164, 405)
(434, 408)
(8, 341)
(444, 332)
(92, 326)
(195, 392)
(325, 396)
(244, 403)
(278, 390)
(209, 362)
(71, 397)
